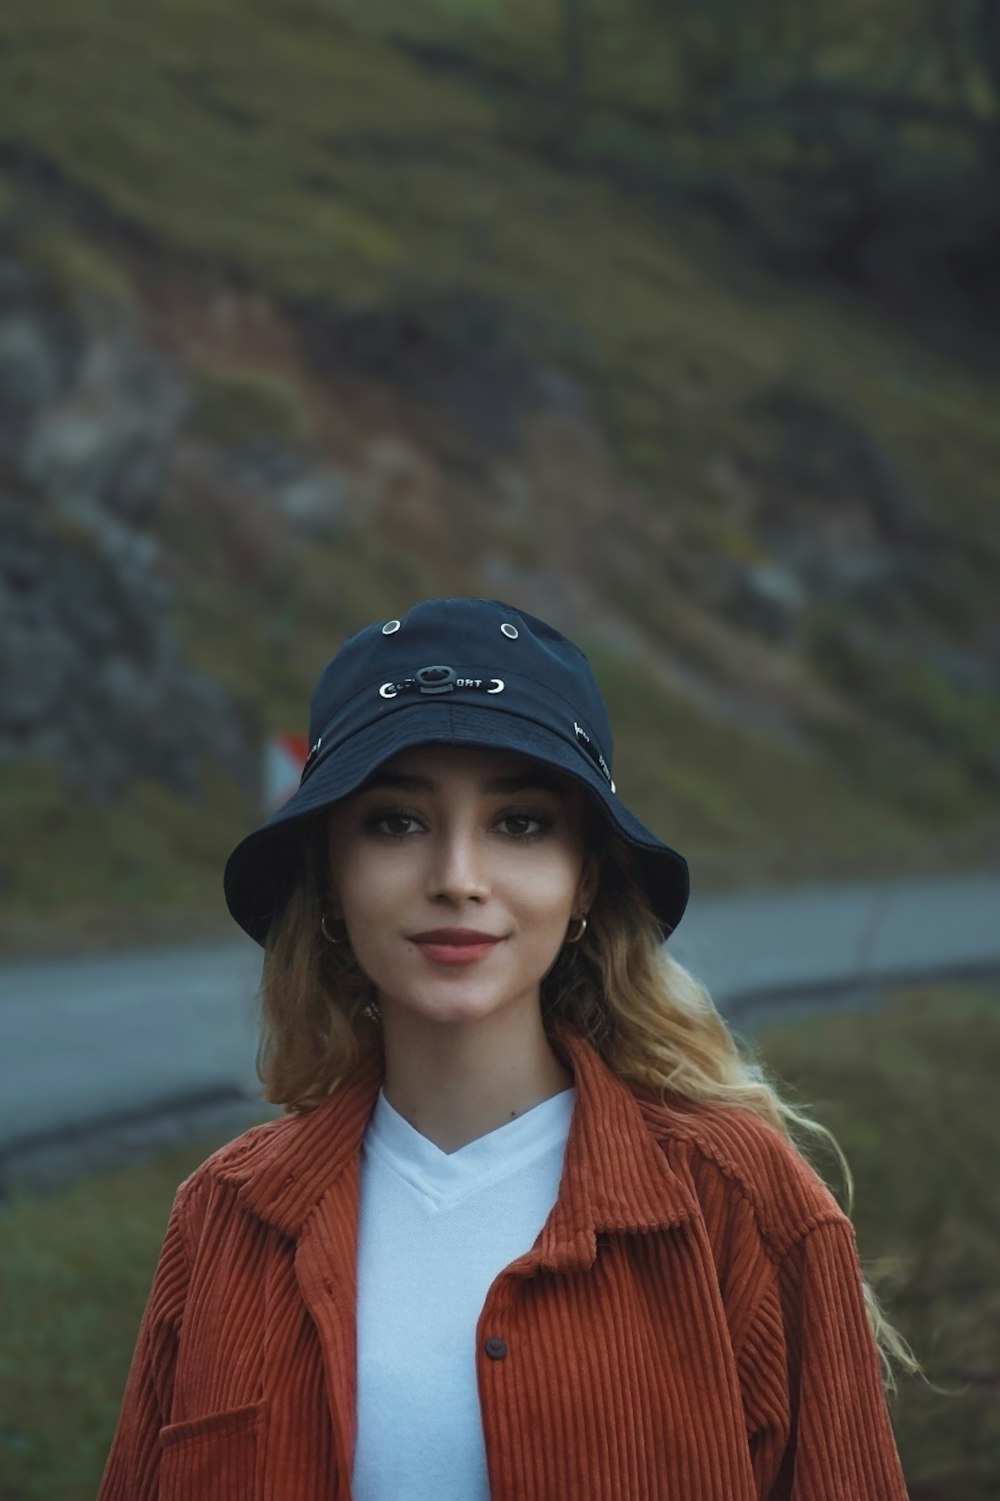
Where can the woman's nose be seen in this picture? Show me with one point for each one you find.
(458, 872)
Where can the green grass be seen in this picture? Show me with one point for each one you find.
(744, 800)
(148, 867)
(77, 1268)
(232, 405)
(292, 147)
(185, 121)
(908, 1091)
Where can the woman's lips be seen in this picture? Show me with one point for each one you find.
(454, 945)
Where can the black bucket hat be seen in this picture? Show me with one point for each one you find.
(471, 672)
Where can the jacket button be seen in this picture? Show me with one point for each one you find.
(495, 1347)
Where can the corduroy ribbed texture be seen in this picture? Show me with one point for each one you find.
(689, 1325)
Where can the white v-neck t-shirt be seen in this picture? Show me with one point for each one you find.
(435, 1229)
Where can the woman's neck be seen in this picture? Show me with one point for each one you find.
(456, 1082)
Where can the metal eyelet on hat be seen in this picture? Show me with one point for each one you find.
(509, 630)
(389, 627)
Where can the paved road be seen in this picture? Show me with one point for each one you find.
(104, 1056)
(755, 948)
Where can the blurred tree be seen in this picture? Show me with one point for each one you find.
(863, 140)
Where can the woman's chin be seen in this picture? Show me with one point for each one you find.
(443, 1006)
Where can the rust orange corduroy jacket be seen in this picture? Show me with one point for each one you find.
(688, 1326)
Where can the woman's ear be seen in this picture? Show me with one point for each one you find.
(328, 885)
(330, 895)
(586, 890)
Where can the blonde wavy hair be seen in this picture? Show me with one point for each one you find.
(651, 1021)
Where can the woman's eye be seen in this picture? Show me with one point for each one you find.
(524, 825)
(393, 824)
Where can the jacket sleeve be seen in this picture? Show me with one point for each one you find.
(818, 1421)
(131, 1472)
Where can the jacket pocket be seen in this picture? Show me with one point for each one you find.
(215, 1458)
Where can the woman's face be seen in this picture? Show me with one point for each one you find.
(457, 872)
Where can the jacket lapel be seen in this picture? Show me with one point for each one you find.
(615, 1177)
(304, 1180)
(291, 1164)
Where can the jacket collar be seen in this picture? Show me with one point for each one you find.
(615, 1177)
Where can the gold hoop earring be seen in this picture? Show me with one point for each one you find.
(575, 938)
(330, 938)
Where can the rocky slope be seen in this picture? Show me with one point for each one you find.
(94, 679)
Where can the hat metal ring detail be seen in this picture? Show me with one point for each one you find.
(437, 679)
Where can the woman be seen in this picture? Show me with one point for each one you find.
(531, 1227)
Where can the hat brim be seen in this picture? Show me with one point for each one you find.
(264, 866)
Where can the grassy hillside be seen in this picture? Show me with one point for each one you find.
(533, 384)
(305, 156)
